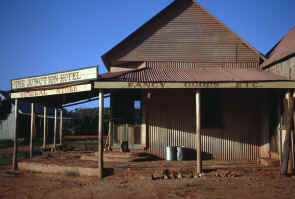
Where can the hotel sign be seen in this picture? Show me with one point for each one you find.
(58, 91)
(55, 79)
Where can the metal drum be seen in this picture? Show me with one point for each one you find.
(180, 153)
(171, 153)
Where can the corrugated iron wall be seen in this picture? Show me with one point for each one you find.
(218, 148)
(184, 32)
(7, 126)
(171, 122)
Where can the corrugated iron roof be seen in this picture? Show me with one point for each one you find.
(176, 35)
(190, 73)
(282, 49)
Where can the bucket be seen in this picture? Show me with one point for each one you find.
(180, 153)
(171, 153)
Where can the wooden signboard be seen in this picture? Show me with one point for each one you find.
(163, 85)
(55, 79)
(58, 91)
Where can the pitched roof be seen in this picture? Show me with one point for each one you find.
(190, 73)
(284, 48)
(198, 27)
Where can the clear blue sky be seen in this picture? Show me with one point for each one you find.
(46, 36)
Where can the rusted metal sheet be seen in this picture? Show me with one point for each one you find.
(218, 148)
(181, 32)
(194, 72)
(175, 125)
(285, 68)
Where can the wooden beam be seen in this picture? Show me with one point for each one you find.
(55, 127)
(32, 130)
(100, 136)
(286, 143)
(198, 131)
(292, 148)
(44, 127)
(14, 158)
(110, 124)
(163, 85)
(60, 127)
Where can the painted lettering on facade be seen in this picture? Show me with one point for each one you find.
(146, 84)
(53, 79)
(200, 85)
(59, 91)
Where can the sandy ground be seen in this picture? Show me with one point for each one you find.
(144, 179)
(35, 185)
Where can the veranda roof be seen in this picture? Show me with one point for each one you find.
(190, 73)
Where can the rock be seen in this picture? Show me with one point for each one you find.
(268, 162)
(189, 175)
(124, 182)
(157, 176)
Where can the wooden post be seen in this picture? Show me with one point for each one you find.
(60, 127)
(286, 144)
(292, 150)
(14, 158)
(279, 128)
(100, 137)
(55, 128)
(110, 135)
(198, 131)
(32, 130)
(292, 138)
(110, 126)
(44, 127)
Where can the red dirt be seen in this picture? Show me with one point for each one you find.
(134, 180)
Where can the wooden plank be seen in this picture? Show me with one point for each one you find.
(110, 137)
(44, 127)
(58, 91)
(198, 131)
(163, 85)
(100, 138)
(14, 158)
(60, 126)
(55, 127)
(55, 79)
(32, 130)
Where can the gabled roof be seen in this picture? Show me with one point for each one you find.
(283, 49)
(150, 28)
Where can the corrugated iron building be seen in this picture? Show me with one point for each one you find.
(7, 124)
(185, 45)
(281, 61)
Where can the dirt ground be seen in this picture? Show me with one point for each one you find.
(145, 179)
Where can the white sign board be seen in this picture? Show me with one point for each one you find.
(55, 79)
(58, 91)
